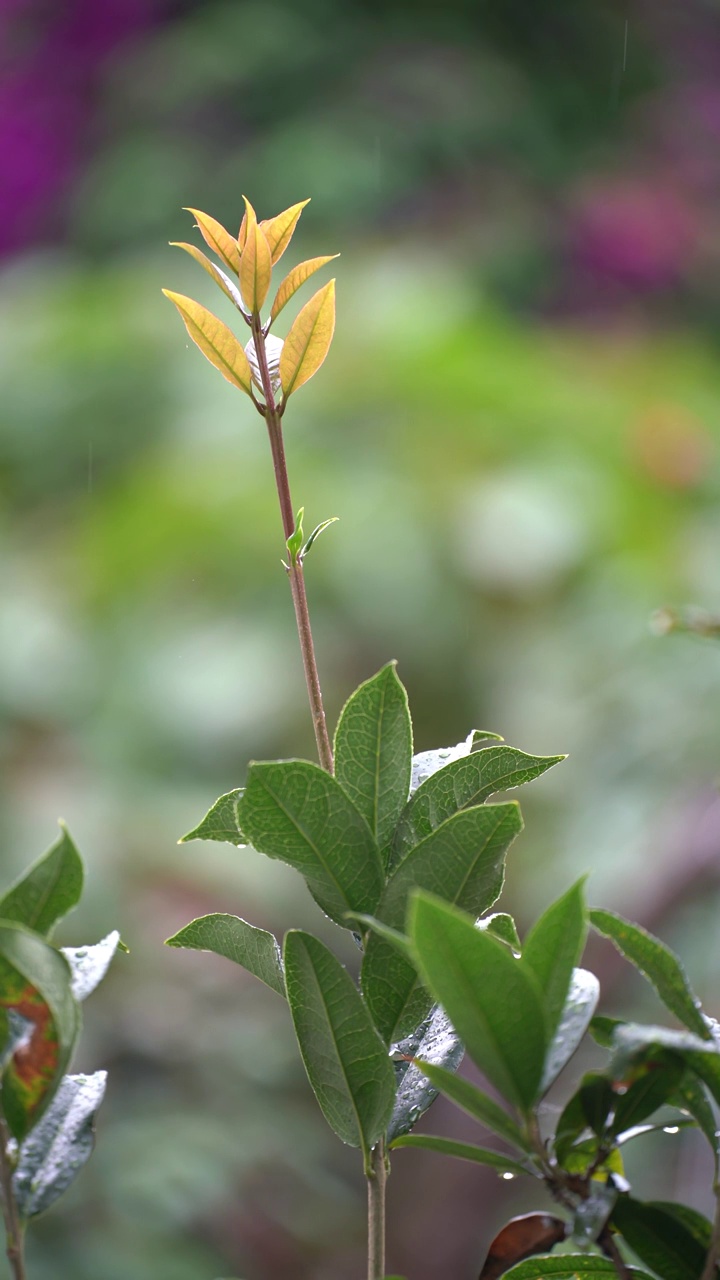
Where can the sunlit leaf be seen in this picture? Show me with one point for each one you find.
(571, 1266)
(308, 341)
(279, 230)
(426, 763)
(220, 822)
(461, 1150)
(47, 890)
(521, 1238)
(58, 1146)
(255, 264)
(219, 240)
(254, 949)
(35, 983)
(657, 963)
(346, 1062)
(294, 280)
(216, 273)
(217, 343)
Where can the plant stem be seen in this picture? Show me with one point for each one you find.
(611, 1251)
(376, 1182)
(713, 1254)
(273, 421)
(15, 1242)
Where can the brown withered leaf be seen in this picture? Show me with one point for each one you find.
(219, 240)
(308, 341)
(279, 230)
(521, 1238)
(295, 279)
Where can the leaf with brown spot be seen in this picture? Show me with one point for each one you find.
(308, 341)
(219, 240)
(280, 229)
(255, 264)
(35, 985)
(521, 1238)
(217, 343)
(295, 279)
(227, 285)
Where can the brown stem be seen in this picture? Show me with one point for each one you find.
(376, 1181)
(607, 1243)
(297, 580)
(713, 1254)
(14, 1237)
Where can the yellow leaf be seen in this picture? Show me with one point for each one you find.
(279, 230)
(215, 340)
(255, 264)
(308, 341)
(296, 277)
(219, 240)
(242, 233)
(227, 285)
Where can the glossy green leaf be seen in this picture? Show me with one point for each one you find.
(690, 1096)
(602, 1029)
(655, 1083)
(657, 963)
(570, 1266)
(216, 273)
(217, 343)
(438, 1043)
(373, 751)
(693, 1221)
(294, 281)
(632, 1041)
(463, 861)
(220, 822)
(476, 1103)
(461, 1150)
(553, 947)
(48, 890)
(426, 763)
(577, 1013)
(308, 341)
(502, 926)
(659, 1239)
(463, 783)
(53, 1153)
(88, 965)
(35, 983)
(254, 949)
(346, 1062)
(295, 811)
(494, 1003)
(219, 240)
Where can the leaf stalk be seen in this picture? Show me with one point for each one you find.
(14, 1232)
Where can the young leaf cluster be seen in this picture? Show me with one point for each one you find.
(365, 840)
(46, 1115)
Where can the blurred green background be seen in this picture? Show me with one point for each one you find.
(518, 428)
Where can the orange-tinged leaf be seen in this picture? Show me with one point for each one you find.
(279, 230)
(219, 240)
(255, 263)
(217, 343)
(294, 279)
(227, 285)
(308, 341)
(242, 233)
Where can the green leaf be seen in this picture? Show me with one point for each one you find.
(88, 965)
(51, 1156)
(436, 1041)
(602, 1029)
(254, 949)
(553, 947)
(656, 1081)
(632, 1040)
(462, 784)
(319, 528)
(295, 811)
(295, 541)
(476, 1103)
(502, 926)
(659, 1239)
(463, 861)
(462, 1150)
(696, 1223)
(495, 1004)
(346, 1062)
(570, 1266)
(691, 1097)
(48, 890)
(34, 983)
(580, 1004)
(426, 763)
(657, 963)
(220, 822)
(373, 751)
(308, 341)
